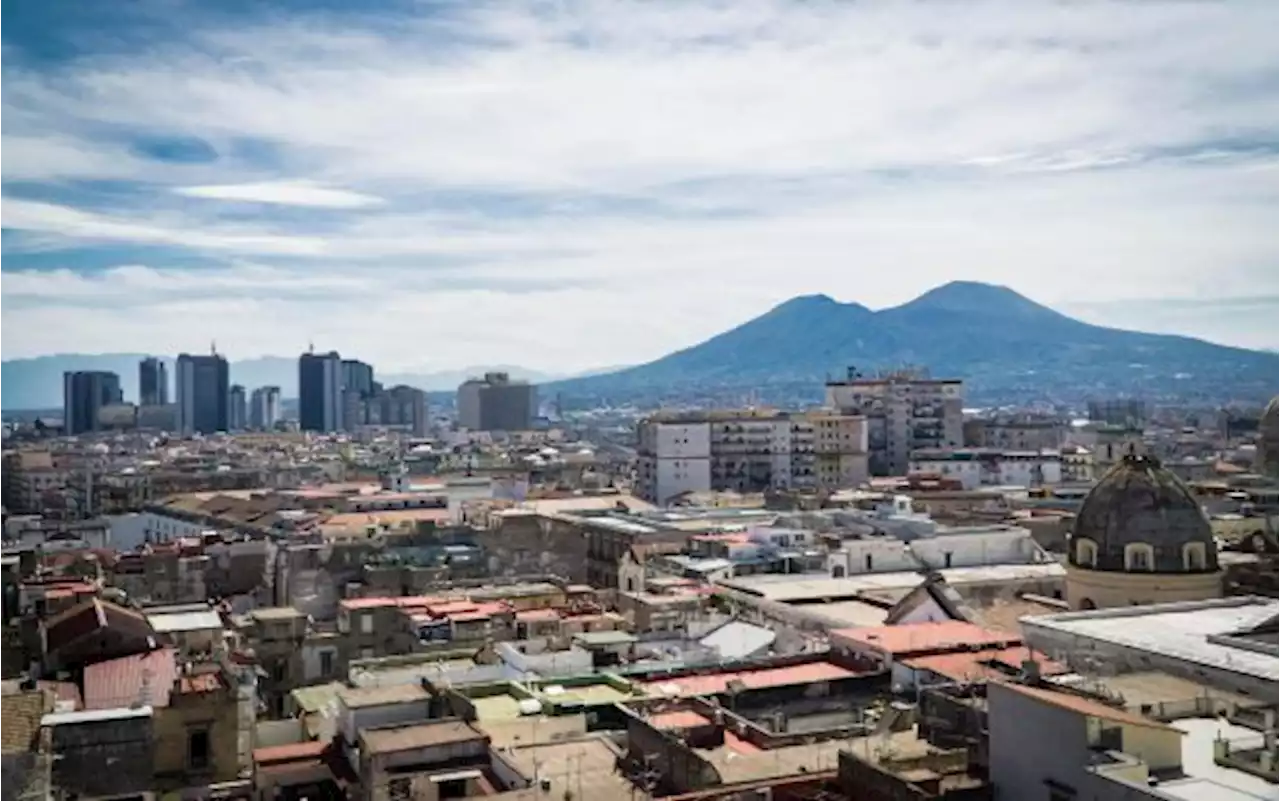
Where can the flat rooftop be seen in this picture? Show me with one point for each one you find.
(1180, 630)
(420, 735)
(584, 766)
(818, 586)
(1205, 779)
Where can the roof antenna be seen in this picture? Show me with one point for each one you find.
(213, 347)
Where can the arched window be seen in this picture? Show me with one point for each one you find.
(1193, 556)
(1086, 553)
(1139, 558)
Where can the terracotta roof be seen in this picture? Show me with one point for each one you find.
(20, 715)
(717, 683)
(1085, 706)
(921, 638)
(980, 665)
(119, 682)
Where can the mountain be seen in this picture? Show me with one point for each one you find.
(37, 383)
(1003, 344)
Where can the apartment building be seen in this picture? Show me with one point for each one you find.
(979, 467)
(748, 451)
(906, 411)
(1015, 433)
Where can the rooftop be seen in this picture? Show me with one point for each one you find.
(762, 678)
(169, 622)
(358, 697)
(918, 638)
(418, 735)
(1185, 631)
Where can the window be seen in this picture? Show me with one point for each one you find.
(366, 623)
(198, 749)
(870, 561)
(1086, 553)
(326, 663)
(1138, 558)
(1193, 556)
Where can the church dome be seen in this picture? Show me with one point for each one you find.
(1141, 518)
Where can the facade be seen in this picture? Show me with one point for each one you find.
(496, 403)
(237, 409)
(320, 404)
(1269, 441)
(975, 468)
(153, 382)
(1140, 537)
(358, 377)
(203, 390)
(905, 411)
(748, 451)
(264, 408)
(403, 407)
(1020, 433)
(84, 394)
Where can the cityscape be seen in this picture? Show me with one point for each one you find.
(614, 401)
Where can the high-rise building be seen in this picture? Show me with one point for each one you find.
(153, 382)
(264, 408)
(748, 451)
(404, 407)
(83, 396)
(237, 408)
(496, 403)
(905, 410)
(320, 402)
(203, 388)
(358, 376)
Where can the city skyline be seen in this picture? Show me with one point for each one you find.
(388, 177)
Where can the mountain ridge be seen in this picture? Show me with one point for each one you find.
(1002, 343)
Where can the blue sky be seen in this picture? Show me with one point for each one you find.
(564, 185)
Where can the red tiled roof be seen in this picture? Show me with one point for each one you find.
(1085, 706)
(716, 683)
(119, 682)
(919, 638)
(677, 719)
(977, 665)
(90, 616)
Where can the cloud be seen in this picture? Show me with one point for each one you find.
(454, 184)
(285, 193)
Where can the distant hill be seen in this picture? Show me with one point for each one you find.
(1004, 345)
(37, 383)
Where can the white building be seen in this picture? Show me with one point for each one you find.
(264, 408)
(975, 467)
(748, 451)
(905, 411)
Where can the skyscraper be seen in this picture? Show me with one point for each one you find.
(83, 395)
(358, 376)
(237, 408)
(320, 392)
(153, 382)
(404, 406)
(496, 403)
(264, 408)
(203, 389)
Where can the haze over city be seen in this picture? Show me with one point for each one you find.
(566, 186)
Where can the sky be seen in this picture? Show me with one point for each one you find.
(565, 185)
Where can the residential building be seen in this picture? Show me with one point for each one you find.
(978, 467)
(748, 451)
(497, 403)
(264, 408)
(906, 411)
(320, 403)
(1015, 432)
(237, 408)
(84, 394)
(153, 382)
(203, 391)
